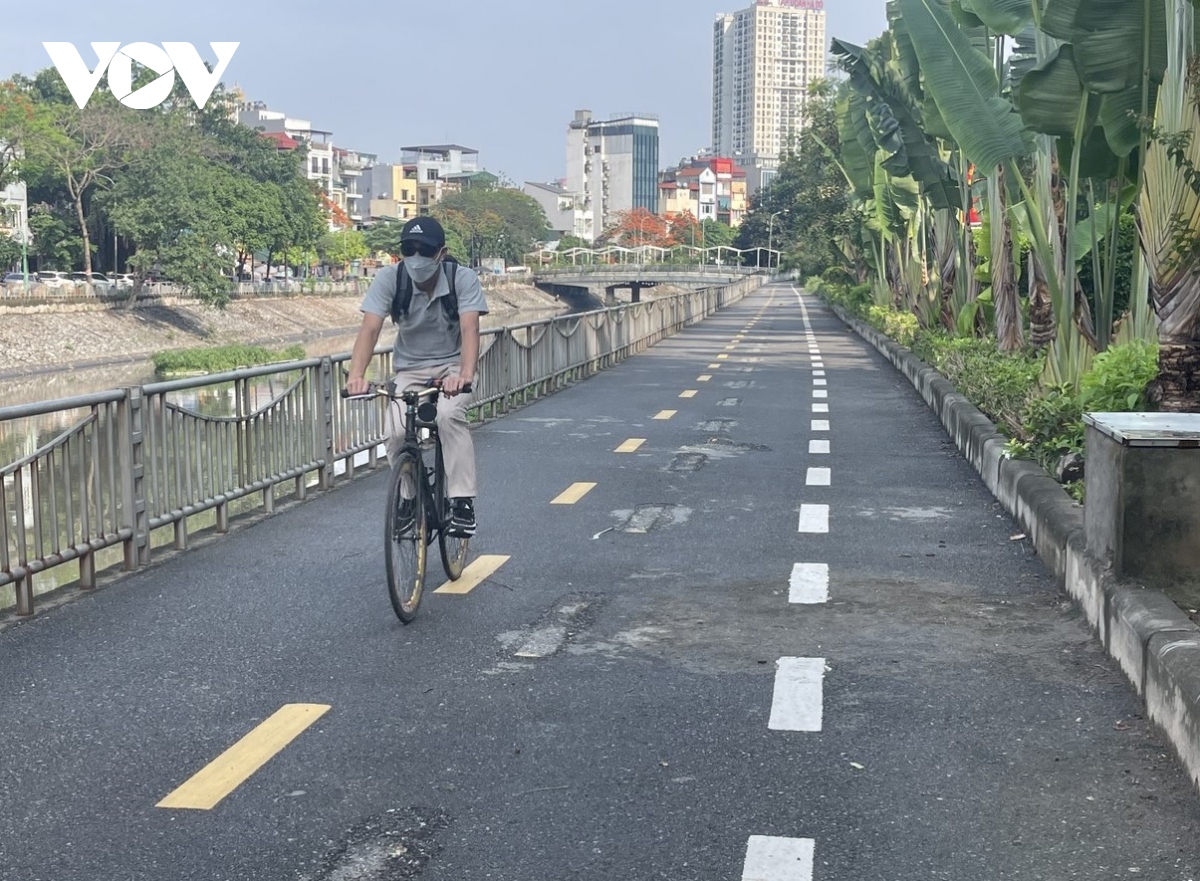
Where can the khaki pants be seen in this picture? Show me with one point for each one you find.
(458, 448)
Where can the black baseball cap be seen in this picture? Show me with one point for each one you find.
(425, 230)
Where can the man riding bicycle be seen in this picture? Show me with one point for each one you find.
(436, 305)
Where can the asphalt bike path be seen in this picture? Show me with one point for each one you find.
(786, 635)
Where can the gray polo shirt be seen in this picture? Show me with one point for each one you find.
(425, 337)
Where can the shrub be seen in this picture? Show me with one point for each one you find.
(900, 326)
(221, 358)
(1052, 425)
(1118, 378)
(998, 383)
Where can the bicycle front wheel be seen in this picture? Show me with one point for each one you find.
(454, 549)
(454, 552)
(406, 538)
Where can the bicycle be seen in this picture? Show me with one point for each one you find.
(411, 524)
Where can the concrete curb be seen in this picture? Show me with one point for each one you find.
(1154, 642)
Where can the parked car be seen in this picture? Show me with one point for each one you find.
(99, 280)
(53, 279)
(16, 280)
(123, 280)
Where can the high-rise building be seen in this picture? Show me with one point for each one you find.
(613, 164)
(764, 58)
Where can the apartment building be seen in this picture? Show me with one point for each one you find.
(564, 210)
(390, 191)
(708, 188)
(441, 168)
(764, 59)
(613, 164)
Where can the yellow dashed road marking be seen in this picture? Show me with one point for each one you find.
(573, 493)
(474, 575)
(690, 393)
(630, 445)
(208, 786)
(666, 414)
(703, 378)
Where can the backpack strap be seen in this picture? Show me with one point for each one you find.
(402, 296)
(450, 301)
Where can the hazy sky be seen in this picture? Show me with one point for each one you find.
(502, 76)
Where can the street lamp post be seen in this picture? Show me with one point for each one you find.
(771, 238)
(642, 239)
(18, 222)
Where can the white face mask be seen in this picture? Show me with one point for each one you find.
(421, 269)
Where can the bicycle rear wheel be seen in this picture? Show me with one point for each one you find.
(406, 538)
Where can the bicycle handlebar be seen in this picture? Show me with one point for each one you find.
(377, 388)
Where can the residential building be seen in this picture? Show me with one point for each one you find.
(709, 188)
(390, 191)
(564, 209)
(349, 166)
(441, 168)
(764, 59)
(613, 164)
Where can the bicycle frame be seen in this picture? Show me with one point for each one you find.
(434, 488)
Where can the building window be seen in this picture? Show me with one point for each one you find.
(315, 165)
(431, 174)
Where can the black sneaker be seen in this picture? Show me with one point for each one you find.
(462, 518)
(404, 517)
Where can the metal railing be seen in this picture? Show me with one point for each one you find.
(625, 269)
(91, 474)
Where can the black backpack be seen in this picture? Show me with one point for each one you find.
(402, 296)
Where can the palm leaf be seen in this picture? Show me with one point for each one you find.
(1058, 19)
(964, 86)
(1003, 16)
(1119, 112)
(1108, 37)
(1051, 93)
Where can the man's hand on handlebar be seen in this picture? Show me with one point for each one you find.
(455, 385)
(357, 386)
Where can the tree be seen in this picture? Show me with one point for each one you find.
(21, 120)
(10, 252)
(639, 227)
(808, 197)
(84, 148)
(384, 237)
(494, 222)
(342, 247)
(174, 202)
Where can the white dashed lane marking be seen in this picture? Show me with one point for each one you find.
(819, 477)
(820, 425)
(814, 519)
(797, 703)
(809, 584)
(769, 858)
(818, 447)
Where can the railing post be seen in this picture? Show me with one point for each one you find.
(325, 406)
(132, 466)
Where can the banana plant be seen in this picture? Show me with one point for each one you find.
(1169, 217)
